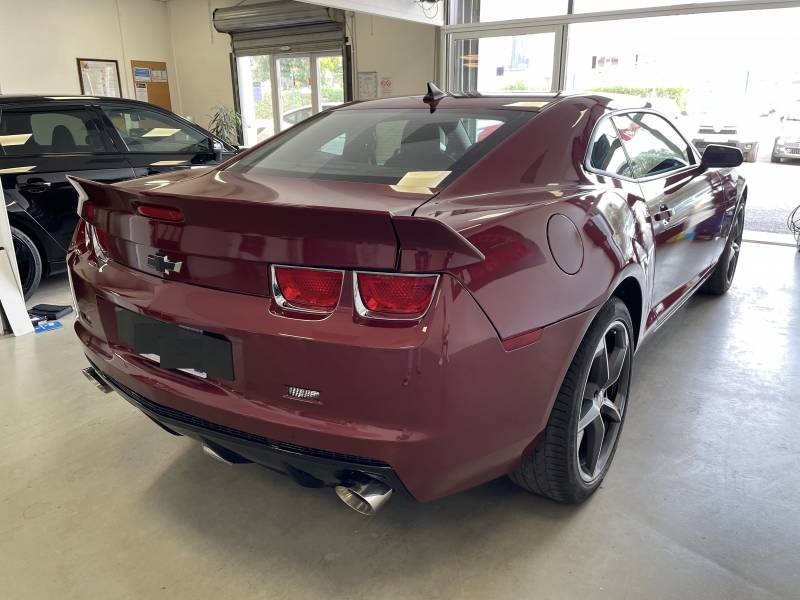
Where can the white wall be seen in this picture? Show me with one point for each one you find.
(401, 50)
(201, 57)
(41, 39)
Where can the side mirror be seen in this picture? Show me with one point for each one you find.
(716, 156)
(217, 148)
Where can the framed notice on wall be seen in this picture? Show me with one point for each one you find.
(151, 83)
(99, 77)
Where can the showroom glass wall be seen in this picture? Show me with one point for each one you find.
(517, 45)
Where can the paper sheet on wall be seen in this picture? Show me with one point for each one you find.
(386, 86)
(367, 85)
(142, 74)
(141, 91)
(99, 77)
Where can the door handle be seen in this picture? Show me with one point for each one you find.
(664, 213)
(35, 187)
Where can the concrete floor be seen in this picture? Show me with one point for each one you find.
(701, 502)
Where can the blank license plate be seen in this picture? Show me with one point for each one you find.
(197, 352)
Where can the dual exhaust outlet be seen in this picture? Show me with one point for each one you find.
(364, 494)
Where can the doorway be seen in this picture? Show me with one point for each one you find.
(278, 91)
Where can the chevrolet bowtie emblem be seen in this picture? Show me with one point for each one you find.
(162, 264)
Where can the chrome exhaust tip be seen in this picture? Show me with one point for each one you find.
(366, 497)
(209, 451)
(92, 375)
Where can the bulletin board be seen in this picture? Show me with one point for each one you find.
(151, 83)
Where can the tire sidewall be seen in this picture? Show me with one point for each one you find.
(612, 310)
(23, 238)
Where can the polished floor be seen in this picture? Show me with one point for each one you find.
(701, 502)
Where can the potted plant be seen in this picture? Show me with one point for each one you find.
(225, 123)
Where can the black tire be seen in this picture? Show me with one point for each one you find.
(752, 154)
(722, 276)
(775, 159)
(29, 262)
(554, 468)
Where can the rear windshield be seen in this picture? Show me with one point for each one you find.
(383, 146)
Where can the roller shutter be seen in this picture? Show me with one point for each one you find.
(281, 26)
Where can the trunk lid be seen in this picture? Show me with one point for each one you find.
(236, 224)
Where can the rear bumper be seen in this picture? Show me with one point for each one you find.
(309, 467)
(440, 405)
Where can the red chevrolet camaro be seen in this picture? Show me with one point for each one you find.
(412, 294)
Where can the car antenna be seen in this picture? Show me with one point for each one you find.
(433, 96)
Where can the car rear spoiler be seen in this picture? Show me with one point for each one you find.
(406, 243)
(431, 245)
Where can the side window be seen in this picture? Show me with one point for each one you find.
(607, 153)
(653, 145)
(145, 130)
(26, 132)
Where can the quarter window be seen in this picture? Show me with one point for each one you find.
(607, 154)
(653, 145)
(145, 130)
(49, 132)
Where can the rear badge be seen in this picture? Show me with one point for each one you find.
(162, 264)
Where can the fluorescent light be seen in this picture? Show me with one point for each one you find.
(168, 163)
(13, 170)
(16, 139)
(161, 132)
(530, 104)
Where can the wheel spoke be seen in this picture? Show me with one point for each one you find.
(589, 415)
(599, 371)
(594, 444)
(611, 410)
(617, 360)
(591, 390)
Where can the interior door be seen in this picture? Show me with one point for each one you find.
(296, 98)
(681, 199)
(41, 145)
(277, 92)
(154, 141)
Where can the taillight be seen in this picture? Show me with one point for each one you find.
(307, 290)
(393, 297)
(163, 213)
(99, 239)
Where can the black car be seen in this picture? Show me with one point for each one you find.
(43, 138)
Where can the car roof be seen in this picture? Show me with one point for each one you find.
(524, 102)
(63, 98)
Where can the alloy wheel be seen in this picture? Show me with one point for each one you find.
(736, 245)
(603, 401)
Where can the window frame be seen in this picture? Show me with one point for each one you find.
(119, 141)
(48, 107)
(587, 166)
(476, 31)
